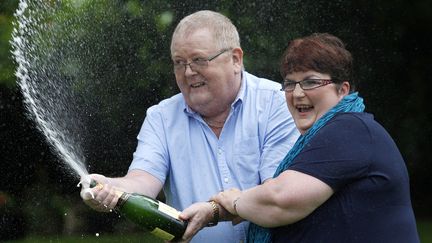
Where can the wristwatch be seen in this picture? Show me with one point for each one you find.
(215, 220)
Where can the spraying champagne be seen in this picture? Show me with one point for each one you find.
(158, 218)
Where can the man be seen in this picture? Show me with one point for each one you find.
(226, 129)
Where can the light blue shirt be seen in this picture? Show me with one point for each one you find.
(176, 146)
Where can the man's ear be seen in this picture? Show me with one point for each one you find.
(237, 56)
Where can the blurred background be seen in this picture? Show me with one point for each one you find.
(119, 53)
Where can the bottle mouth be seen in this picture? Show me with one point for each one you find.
(86, 182)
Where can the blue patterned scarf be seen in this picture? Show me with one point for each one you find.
(350, 103)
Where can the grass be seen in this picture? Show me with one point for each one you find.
(424, 228)
(103, 238)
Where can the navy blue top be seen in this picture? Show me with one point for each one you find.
(358, 159)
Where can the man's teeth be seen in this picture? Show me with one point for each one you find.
(196, 85)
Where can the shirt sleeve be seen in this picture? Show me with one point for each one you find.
(151, 154)
(280, 134)
(338, 154)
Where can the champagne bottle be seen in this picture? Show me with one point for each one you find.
(158, 218)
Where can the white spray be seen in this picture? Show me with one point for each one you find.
(24, 37)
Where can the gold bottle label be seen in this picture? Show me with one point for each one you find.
(169, 210)
(162, 234)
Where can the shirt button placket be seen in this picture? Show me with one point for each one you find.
(223, 167)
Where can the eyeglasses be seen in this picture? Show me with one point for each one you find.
(197, 63)
(307, 84)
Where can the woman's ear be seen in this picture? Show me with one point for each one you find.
(237, 56)
(344, 88)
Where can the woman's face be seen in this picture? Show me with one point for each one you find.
(307, 106)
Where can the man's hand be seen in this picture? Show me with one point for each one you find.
(198, 216)
(102, 197)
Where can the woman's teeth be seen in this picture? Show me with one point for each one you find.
(304, 108)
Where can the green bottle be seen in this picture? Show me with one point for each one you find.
(158, 218)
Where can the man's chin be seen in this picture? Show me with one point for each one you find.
(200, 106)
(201, 99)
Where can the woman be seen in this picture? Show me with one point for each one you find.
(344, 180)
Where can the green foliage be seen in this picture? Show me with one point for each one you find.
(107, 61)
(424, 228)
(7, 68)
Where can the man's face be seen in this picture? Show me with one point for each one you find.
(210, 88)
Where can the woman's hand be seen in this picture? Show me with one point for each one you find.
(227, 199)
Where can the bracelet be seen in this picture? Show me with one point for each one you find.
(235, 204)
(215, 208)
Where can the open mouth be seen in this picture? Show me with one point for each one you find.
(197, 85)
(304, 108)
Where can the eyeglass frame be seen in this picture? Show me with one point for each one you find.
(324, 82)
(196, 60)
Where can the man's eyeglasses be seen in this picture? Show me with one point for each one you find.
(307, 84)
(197, 63)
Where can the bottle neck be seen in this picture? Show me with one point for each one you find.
(123, 197)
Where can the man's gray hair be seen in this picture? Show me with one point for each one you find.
(224, 32)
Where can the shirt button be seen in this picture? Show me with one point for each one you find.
(219, 151)
(226, 180)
